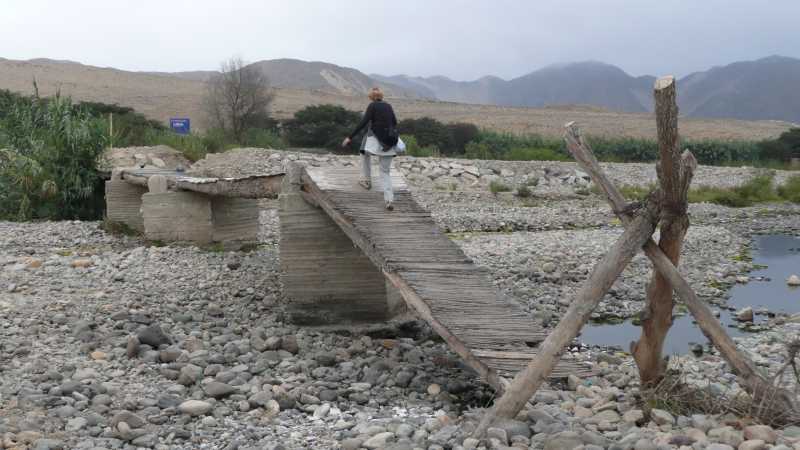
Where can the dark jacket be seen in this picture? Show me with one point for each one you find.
(382, 120)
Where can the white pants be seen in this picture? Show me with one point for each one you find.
(385, 163)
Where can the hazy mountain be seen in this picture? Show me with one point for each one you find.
(763, 89)
(591, 83)
(443, 88)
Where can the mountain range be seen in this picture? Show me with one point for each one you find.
(764, 89)
(603, 98)
(756, 90)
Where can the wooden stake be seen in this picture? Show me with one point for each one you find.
(674, 178)
(592, 291)
(762, 391)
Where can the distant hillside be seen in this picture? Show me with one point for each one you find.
(158, 96)
(320, 76)
(767, 88)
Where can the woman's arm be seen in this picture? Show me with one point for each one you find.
(364, 121)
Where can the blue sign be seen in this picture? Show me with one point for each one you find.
(180, 125)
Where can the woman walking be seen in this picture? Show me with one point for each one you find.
(379, 141)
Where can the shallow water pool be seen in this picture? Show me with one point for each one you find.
(780, 254)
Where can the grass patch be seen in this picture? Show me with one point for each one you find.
(498, 186)
(118, 228)
(758, 190)
(637, 193)
(790, 190)
(216, 247)
(674, 395)
(524, 192)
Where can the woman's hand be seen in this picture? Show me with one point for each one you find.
(346, 142)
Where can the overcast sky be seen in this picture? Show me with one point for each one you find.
(460, 39)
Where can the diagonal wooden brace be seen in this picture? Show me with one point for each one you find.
(592, 291)
(754, 383)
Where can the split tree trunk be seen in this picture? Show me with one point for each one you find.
(674, 179)
(762, 391)
(528, 381)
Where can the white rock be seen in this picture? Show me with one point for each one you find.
(745, 314)
(195, 407)
(793, 280)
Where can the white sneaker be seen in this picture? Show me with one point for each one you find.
(389, 206)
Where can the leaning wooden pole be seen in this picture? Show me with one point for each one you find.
(592, 291)
(754, 383)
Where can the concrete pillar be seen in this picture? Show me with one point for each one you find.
(124, 202)
(177, 216)
(235, 220)
(327, 280)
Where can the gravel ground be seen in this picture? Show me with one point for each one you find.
(108, 343)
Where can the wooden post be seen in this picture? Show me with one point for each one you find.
(592, 291)
(674, 180)
(111, 130)
(761, 390)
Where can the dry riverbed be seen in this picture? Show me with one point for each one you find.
(107, 342)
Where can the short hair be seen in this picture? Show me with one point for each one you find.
(375, 94)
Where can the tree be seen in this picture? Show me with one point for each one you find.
(238, 98)
(321, 126)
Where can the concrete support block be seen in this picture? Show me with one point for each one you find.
(157, 184)
(177, 216)
(124, 203)
(326, 279)
(235, 219)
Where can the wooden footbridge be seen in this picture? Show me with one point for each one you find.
(492, 334)
(344, 258)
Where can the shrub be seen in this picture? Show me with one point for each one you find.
(193, 146)
(460, 134)
(790, 190)
(48, 171)
(479, 150)
(413, 148)
(498, 186)
(321, 126)
(783, 148)
(524, 191)
(263, 138)
(130, 127)
(428, 132)
(758, 190)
